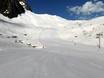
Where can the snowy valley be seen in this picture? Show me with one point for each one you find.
(46, 46)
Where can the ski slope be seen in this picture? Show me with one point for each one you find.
(59, 60)
(47, 46)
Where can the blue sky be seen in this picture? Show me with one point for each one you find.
(69, 9)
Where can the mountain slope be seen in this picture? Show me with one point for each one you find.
(32, 28)
(64, 53)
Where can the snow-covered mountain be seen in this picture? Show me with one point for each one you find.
(31, 29)
(65, 54)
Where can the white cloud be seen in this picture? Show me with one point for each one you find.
(88, 8)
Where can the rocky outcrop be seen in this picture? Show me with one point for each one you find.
(25, 4)
(11, 8)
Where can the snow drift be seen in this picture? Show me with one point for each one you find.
(32, 29)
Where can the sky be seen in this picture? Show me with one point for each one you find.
(69, 9)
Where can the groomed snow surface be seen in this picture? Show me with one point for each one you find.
(46, 46)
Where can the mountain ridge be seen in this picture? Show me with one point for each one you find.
(43, 26)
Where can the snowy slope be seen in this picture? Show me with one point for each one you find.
(32, 28)
(59, 60)
(64, 53)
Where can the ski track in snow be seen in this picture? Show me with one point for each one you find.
(52, 62)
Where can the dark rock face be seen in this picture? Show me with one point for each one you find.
(11, 8)
(25, 4)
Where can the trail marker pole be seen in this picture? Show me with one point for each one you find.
(99, 37)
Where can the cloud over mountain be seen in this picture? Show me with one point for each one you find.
(88, 8)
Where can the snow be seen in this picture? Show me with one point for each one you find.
(48, 46)
(38, 26)
(59, 60)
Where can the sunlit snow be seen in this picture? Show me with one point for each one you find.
(46, 46)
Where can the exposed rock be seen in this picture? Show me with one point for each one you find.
(11, 8)
(25, 4)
